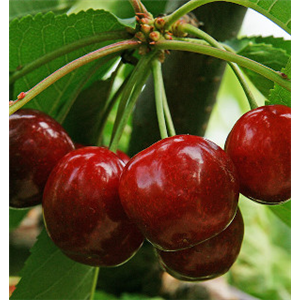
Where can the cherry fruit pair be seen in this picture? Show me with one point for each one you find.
(81, 206)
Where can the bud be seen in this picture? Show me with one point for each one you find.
(154, 36)
(159, 23)
(145, 28)
(168, 36)
(146, 21)
(140, 36)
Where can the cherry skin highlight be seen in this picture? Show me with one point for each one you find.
(36, 143)
(180, 191)
(120, 153)
(260, 146)
(82, 210)
(209, 259)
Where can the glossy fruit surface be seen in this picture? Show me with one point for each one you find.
(180, 191)
(36, 143)
(209, 259)
(123, 156)
(82, 209)
(260, 146)
(120, 153)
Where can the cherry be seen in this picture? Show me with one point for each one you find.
(120, 153)
(82, 210)
(123, 156)
(209, 259)
(260, 146)
(36, 143)
(180, 191)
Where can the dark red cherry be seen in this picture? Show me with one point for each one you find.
(123, 156)
(120, 153)
(36, 143)
(209, 259)
(82, 210)
(180, 191)
(260, 146)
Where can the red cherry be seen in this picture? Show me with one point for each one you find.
(123, 156)
(209, 259)
(120, 153)
(260, 146)
(82, 210)
(180, 191)
(36, 143)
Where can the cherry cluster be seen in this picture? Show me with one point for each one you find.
(181, 193)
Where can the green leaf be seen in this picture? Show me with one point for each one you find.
(32, 38)
(120, 8)
(279, 11)
(49, 274)
(283, 212)
(16, 216)
(279, 95)
(21, 8)
(270, 51)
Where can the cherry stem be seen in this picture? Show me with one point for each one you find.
(162, 106)
(66, 69)
(141, 65)
(108, 108)
(158, 90)
(94, 284)
(167, 113)
(192, 45)
(133, 89)
(187, 28)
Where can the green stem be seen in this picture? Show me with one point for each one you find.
(168, 116)
(101, 37)
(193, 4)
(108, 109)
(203, 35)
(158, 90)
(134, 77)
(225, 55)
(96, 274)
(83, 60)
(141, 78)
(240, 76)
(138, 7)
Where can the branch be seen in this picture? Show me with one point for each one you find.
(101, 37)
(83, 60)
